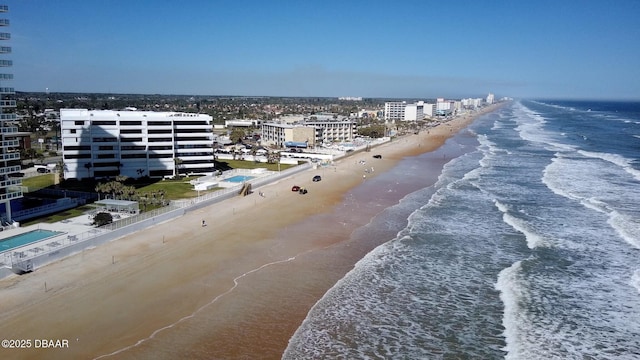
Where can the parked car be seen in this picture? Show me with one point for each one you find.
(317, 178)
(377, 156)
(295, 188)
(302, 191)
(43, 170)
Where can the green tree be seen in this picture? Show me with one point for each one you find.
(237, 135)
(102, 218)
(61, 168)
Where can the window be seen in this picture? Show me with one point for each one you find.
(105, 139)
(130, 139)
(104, 156)
(82, 147)
(134, 156)
(77, 156)
(157, 156)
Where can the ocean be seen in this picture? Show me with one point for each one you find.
(526, 247)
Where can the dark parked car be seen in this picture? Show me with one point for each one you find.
(302, 191)
(377, 156)
(295, 188)
(43, 170)
(317, 178)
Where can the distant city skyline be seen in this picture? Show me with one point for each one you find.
(372, 49)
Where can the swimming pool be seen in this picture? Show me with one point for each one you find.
(239, 178)
(26, 238)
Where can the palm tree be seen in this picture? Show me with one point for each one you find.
(61, 168)
(176, 170)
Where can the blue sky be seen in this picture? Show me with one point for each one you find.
(393, 49)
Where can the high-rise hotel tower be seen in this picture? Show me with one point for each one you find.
(10, 186)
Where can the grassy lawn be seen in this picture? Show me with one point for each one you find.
(173, 189)
(59, 216)
(38, 182)
(241, 164)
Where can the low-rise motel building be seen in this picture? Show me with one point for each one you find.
(314, 132)
(108, 143)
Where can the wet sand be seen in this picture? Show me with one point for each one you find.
(235, 289)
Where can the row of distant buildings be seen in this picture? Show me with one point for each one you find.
(403, 111)
(107, 143)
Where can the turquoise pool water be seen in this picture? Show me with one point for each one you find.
(26, 238)
(239, 178)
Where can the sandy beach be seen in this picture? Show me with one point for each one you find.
(237, 288)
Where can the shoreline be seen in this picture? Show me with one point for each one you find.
(239, 287)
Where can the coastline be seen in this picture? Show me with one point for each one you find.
(239, 287)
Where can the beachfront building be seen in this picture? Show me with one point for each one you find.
(428, 110)
(10, 185)
(247, 123)
(333, 130)
(275, 134)
(490, 99)
(471, 103)
(444, 107)
(107, 143)
(414, 112)
(394, 110)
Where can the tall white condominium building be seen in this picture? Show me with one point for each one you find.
(414, 112)
(490, 99)
(394, 110)
(10, 187)
(107, 143)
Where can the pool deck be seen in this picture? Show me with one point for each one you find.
(72, 229)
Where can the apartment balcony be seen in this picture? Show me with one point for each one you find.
(10, 169)
(10, 195)
(9, 144)
(8, 117)
(7, 103)
(7, 91)
(161, 151)
(5, 36)
(5, 49)
(156, 136)
(179, 126)
(6, 63)
(194, 142)
(9, 129)
(195, 166)
(11, 182)
(194, 150)
(11, 156)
